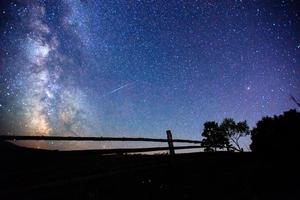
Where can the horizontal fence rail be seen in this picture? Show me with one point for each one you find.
(169, 141)
(71, 138)
(139, 150)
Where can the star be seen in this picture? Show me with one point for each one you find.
(89, 68)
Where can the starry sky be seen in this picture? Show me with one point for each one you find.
(138, 68)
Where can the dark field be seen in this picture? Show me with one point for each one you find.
(38, 174)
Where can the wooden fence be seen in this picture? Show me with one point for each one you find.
(171, 148)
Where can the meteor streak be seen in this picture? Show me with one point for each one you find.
(117, 89)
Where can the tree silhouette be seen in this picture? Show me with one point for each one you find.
(214, 138)
(234, 131)
(277, 134)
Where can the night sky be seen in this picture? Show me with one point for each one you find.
(138, 68)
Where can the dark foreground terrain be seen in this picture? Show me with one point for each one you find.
(37, 174)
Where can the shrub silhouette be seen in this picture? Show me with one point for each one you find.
(277, 134)
(214, 138)
(234, 131)
(226, 135)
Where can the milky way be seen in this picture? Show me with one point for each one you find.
(137, 68)
(45, 88)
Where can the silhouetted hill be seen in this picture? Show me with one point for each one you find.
(41, 174)
(9, 147)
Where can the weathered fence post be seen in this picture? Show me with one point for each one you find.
(170, 142)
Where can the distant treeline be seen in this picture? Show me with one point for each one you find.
(271, 134)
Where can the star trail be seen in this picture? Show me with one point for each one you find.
(138, 68)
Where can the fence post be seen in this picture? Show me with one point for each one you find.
(170, 142)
